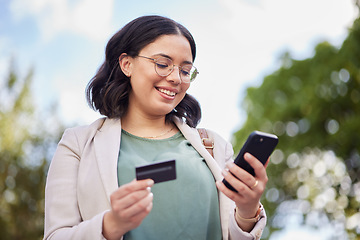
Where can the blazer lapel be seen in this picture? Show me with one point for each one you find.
(107, 145)
(193, 136)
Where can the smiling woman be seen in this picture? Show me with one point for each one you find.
(141, 88)
(154, 95)
(116, 81)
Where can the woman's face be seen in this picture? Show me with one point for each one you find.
(151, 94)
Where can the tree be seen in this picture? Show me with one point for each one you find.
(313, 105)
(27, 142)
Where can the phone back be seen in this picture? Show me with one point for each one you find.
(258, 144)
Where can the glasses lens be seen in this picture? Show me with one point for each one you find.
(188, 73)
(163, 66)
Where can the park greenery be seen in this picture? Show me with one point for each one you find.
(313, 105)
(28, 139)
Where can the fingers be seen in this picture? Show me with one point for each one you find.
(242, 180)
(229, 193)
(258, 167)
(255, 184)
(132, 187)
(237, 177)
(133, 193)
(249, 188)
(245, 196)
(132, 202)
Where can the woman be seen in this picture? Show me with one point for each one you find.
(141, 89)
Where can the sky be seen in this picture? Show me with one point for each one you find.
(238, 43)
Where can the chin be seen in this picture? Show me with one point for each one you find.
(164, 110)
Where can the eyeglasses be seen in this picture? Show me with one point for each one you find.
(164, 67)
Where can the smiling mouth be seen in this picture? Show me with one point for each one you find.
(167, 92)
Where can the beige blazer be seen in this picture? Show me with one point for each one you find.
(83, 175)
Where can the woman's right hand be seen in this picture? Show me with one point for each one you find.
(130, 204)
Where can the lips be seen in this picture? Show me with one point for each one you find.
(167, 92)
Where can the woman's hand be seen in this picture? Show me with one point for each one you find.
(249, 189)
(130, 204)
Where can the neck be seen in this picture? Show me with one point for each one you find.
(147, 127)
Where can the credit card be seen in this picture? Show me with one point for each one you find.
(159, 172)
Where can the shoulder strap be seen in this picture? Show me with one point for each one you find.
(208, 143)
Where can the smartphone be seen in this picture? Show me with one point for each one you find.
(258, 144)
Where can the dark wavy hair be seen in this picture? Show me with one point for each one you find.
(108, 91)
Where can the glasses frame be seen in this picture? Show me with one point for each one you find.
(172, 68)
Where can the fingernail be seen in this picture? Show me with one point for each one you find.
(150, 182)
(224, 172)
(148, 189)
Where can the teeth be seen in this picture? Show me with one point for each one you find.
(167, 92)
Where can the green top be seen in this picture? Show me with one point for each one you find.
(184, 208)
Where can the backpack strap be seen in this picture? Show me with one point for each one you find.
(207, 142)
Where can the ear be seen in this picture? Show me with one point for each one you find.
(125, 63)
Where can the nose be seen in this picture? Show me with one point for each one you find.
(174, 76)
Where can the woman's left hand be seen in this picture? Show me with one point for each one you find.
(249, 188)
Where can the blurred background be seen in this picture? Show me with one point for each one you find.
(288, 67)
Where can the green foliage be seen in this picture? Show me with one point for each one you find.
(313, 105)
(27, 142)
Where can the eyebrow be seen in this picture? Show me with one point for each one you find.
(167, 56)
